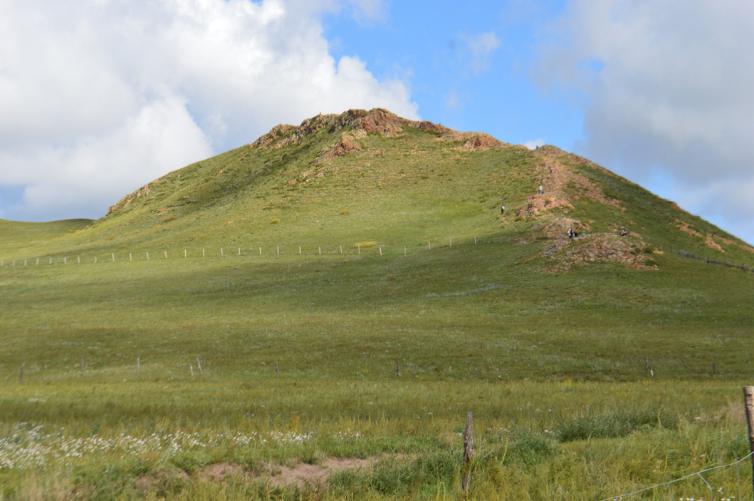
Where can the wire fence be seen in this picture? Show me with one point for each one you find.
(697, 474)
(276, 250)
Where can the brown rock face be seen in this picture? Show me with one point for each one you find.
(375, 121)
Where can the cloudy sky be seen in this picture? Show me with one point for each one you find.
(98, 97)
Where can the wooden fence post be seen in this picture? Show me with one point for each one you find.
(749, 408)
(468, 454)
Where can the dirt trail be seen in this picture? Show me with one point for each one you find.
(556, 178)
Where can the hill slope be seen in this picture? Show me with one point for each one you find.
(349, 216)
(372, 176)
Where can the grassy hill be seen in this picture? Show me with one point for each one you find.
(348, 288)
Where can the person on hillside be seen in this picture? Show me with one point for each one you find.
(541, 190)
(502, 209)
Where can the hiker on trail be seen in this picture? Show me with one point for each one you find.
(623, 232)
(572, 234)
(541, 190)
(502, 209)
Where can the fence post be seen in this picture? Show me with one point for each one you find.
(749, 408)
(468, 454)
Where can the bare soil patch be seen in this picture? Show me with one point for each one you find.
(303, 474)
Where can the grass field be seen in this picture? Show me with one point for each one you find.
(203, 377)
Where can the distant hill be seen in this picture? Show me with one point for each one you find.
(373, 176)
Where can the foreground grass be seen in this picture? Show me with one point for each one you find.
(534, 440)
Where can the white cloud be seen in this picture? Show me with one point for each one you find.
(533, 144)
(479, 49)
(668, 92)
(101, 96)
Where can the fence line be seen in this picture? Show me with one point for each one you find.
(680, 479)
(277, 251)
(689, 255)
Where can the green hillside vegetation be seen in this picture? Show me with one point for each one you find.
(348, 289)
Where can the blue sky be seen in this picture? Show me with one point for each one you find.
(122, 92)
(431, 52)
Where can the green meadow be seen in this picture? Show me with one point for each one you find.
(246, 320)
